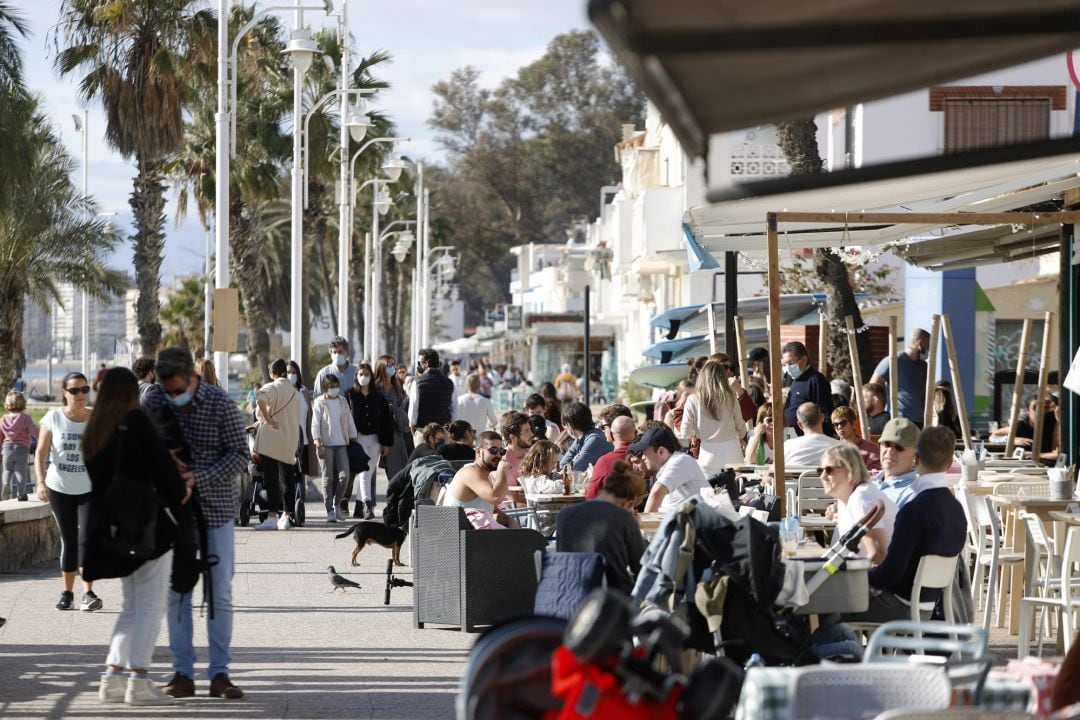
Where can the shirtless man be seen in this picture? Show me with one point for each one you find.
(482, 484)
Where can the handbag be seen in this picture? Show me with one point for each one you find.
(131, 513)
(358, 459)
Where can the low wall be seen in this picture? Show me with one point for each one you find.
(28, 535)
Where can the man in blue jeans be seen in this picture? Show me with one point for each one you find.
(214, 432)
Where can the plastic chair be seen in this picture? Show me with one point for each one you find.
(1029, 489)
(845, 691)
(963, 647)
(1044, 574)
(532, 519)
(989, 553)
(934, 571)
(812, 495)
(1065, 600)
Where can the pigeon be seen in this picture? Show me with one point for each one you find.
(337, 581)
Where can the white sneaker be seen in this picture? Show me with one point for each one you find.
(339, 516)
(331, 516)
(268, 524)
(283, 522)
(140, 691)
(112, 688)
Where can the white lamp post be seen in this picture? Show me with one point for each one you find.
(225, 138)
(82, 125)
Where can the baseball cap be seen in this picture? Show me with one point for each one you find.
(654, 437)
(758, 354)
(901, 431)
(840, 387)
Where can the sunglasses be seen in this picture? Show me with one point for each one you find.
(496, 450)
(173, 393)
(768, 420)
(85, 390)
(894, 446)
(840, 423)
(828, 469)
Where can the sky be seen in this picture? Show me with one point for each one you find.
(427, 38)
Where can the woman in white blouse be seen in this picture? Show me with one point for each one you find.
(845, 477)
(474, 408)
(712, 415)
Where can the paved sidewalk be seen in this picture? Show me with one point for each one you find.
(299, 651)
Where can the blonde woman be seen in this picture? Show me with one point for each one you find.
(712, 415)
(760, 446)
(204, 368)
(844, 477)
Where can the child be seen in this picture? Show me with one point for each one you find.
(16, 430)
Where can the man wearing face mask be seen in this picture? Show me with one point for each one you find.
(339, 366)
(807, 385)
(214, 432)
(911, 377)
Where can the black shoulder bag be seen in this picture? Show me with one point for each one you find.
(130, 512)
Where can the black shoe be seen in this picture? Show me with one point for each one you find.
(369, 510)
(90, 602)
(67, 600)
(358, 510)
(181, 686)
(222, 687)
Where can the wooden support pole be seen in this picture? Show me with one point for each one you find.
(712, 328)
(957, 382)
(894, 392)
(856, 376)
(931, 371)
(823, 342)
(1018, 385)
(774, 363)
(740, 340)
(932, 218)
(1044, 374)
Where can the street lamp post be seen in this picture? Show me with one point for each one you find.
(376, 182)
(432, 261)
(83, 126)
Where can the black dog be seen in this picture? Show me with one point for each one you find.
(372, 531)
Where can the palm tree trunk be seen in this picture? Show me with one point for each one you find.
(798, 141)
(253, 287)
(11, 345)
(148, 208)
(399, 312)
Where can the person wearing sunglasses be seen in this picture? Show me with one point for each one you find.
(66, 484)
(844, 477)
(897, 453)
(759, 449)
(473, 485)
(843, 420)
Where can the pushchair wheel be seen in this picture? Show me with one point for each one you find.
(301, 514)
(244, 515)
(599, 626)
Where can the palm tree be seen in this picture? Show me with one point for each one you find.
(183, 316)
(48, 237)
(131, 53)
(15, 114)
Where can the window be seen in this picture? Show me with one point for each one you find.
(975, 124)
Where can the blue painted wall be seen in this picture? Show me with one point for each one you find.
(930, 292)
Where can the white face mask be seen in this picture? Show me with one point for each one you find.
(339, 358)
(363, 380)
(292, 377)
(333, 392)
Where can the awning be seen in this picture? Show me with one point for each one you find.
(667, 350)
(739, 225)
(981, 246)
(695, 318)
(718, 65)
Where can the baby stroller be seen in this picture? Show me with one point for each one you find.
(612, 661)
(253, 495)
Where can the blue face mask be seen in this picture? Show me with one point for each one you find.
(182, 399)
(391, 368)
(793, 371)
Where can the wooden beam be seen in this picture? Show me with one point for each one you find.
(958, 388)
(931, 370)
(823, 342)
(1018, 385)
(856, 376)
(1044, 373)
(774, 362)
(949, 218)
(894, 392)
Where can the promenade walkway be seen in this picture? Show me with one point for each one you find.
(299, 651)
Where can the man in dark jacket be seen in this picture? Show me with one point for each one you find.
(807, 385)
(432, 397)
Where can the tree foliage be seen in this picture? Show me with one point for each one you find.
(527, 158)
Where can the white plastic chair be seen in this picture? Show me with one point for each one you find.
(989, 553)
(812, 495)
(1029, 489)
(934, 571)
(1065, 598)
(1044, 574)
(844, 691)
(962, 647)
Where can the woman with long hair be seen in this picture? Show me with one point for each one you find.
(204, 368)
(120, 441)
(66, 485)
(375, 432)
(309, 459)
(760, 446)
(536, 468)
(552, 404)
(386, 382)
(711, 414)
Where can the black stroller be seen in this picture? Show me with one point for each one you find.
(253, 495)
(612, 661)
